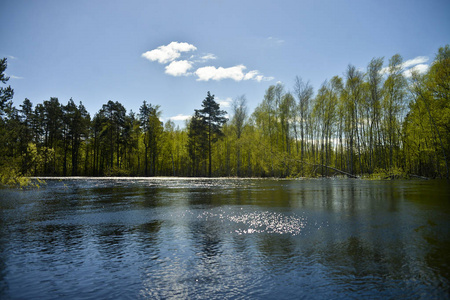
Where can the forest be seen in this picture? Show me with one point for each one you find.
(376, 123)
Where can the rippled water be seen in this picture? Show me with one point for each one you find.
(165, 238)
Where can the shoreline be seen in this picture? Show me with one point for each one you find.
(411, 177)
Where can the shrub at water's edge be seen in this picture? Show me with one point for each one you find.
(10, 176)
(382, 174)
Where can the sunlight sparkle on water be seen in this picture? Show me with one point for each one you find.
(260, 222)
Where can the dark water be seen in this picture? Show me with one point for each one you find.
(226, 239)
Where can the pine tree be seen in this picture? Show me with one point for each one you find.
(214, 119)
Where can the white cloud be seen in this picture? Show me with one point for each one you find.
(421, 68)
(178, 67)
(236, 73)
(251, 75)
(180, 117)
(415, 61)
(224, 103)
(255, 75)
(208, 56)
(264, 78)
(206, 73)
(168, 53)
(384, 70)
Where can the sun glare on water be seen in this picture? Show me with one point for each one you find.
(260, 222)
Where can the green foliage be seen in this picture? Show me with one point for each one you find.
(11, 176)
(382, 174)
(375, 124)
(207, 124)
(152, 130)
(6, 93)
(197, 142)
(117, 172)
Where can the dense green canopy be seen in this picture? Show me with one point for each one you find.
(378, 122)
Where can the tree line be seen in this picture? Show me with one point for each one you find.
(375, 122)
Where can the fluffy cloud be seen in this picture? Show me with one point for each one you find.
(415, 61)
(180, 117)
(178, 67)
(421, 68)
(168, 53)
(236, 73)
(224, 103)
(251, 75)
(255, 75)
(206, 73)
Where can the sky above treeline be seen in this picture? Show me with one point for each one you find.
(171, 53)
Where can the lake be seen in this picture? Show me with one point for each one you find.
(189, 238)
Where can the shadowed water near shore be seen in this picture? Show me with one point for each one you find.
(199, 238)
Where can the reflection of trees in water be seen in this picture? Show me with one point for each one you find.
(207, 240)
(111, 241)
(147, 196)
(385, 268)
(205, 234)
(3, 272)
(147, 240)
(278, 251)
(190, 259)
(114, 241)
(52, 239)
(370, 240)
(438, 238)
(349, 195)
(5, 248)
(68, 237)
(355, 258)
(381, 236)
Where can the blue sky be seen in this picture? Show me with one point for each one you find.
(170, 53)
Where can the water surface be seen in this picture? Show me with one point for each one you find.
(162, 238)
